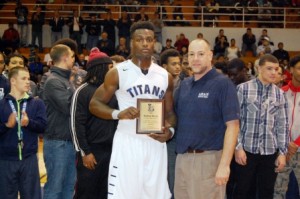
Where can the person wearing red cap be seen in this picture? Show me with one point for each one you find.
(138, 165)
(92, 136)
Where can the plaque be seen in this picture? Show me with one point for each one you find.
(151, 119)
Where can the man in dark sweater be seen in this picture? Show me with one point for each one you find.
(37, 21)
(59, 153)
(92, 136)
(56, 24)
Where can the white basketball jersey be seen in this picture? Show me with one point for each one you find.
(133, 84)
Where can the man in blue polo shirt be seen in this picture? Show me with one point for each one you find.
(208, 123)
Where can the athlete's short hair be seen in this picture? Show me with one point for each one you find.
(141, 25)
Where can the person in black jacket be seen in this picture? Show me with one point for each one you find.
(37, 21)
(93, 29)
(56, 24)
(59, 154)
(21, 13)
(92, 136)
(76, 25)
(109, 26)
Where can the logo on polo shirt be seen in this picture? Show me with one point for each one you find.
(203, 95)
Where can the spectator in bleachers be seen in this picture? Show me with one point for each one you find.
(168, 45)
(211, 8)
(122, 48)
(81, 62)
(21, 12)
(37, 22)
(11, 38)
(220, 47)
(56, 23)
(181, 40)
(17, 60)
(266, 47)
(178, 16)
(142, 16)
(157, 49)
(237, 11)
(41, 3)
(183, 51)
(252, 10)
(108, 26)
(264, 33)
(186, 69)
(200, 35)
(249, 41)
(220, 35)
(76, 25)
(279, 13)
(124, 24)
(105, 45)
(161, 10)
(250, 70)
(35, 69)
(47, 59)
(158, 25)
(4, 84)
(93, 29)
(265, 14)
(281, 54)
(198, 10)
(232, 51)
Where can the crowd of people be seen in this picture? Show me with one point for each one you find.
(229, 129)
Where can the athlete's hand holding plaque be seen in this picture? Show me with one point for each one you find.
(151, 119)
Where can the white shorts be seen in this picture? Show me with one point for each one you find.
(138, 168)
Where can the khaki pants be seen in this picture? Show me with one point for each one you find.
(195, 176)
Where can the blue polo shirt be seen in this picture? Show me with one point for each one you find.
(203, 107)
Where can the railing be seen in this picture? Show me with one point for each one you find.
(281, 17)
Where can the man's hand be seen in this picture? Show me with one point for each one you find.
(11, 121)
(162, 137)
(240, 157)
(222, 175)
(292, 149)
(89, 161)
(129, 113)
(25, 119)
(280, 163)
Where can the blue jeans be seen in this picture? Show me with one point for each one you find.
(59, 157)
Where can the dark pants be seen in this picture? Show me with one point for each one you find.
(92, 184)
(171, 146)
(76, 36)
(39, 36)
(22, 176)
(261, 166)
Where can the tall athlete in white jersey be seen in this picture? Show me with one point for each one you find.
(138, 166)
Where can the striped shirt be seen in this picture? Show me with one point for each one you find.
(264, 118)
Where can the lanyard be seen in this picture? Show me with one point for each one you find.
(18, 119)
